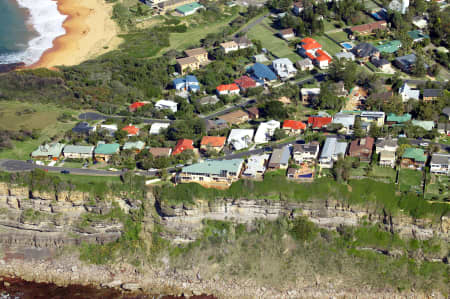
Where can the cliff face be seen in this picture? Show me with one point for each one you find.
(185, 221)
(52, 220)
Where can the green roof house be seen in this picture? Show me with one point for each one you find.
(414, 158)
(389, 47)
(417, 35)
(78, 151)
(48, 151)
(427, 125)
(104, 151)
(189, 9)
(212, 172)
(399, 119)
(137, 146)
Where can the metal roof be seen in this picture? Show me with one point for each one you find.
(215, 167)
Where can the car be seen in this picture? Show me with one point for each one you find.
(424, 144)
(30, 161)
(65, 171)
(179, 165)
(113, 169)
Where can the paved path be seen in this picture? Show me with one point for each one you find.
(100, 116)
(248, 27)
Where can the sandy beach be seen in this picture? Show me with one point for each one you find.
(90, 32)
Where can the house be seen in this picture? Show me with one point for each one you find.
(227, 89)
(131, 130)
(400, 6)
(406, 63)
(187, 64)
(208, 100)
(431, 94)
(293, 127)
(262, 73)
(243, 42)
(297, 8)
(189, 9)
(439, 164)
(136, 105)
(318, 122)
(420, 22)
(229, 46)
(382, 64)
(331, 151)
(387, 159)
(158, 128)
(305, 65)
(376, 117)
(235, 118)
(83, 128)
(50, 151)
(310, 48)
(393, 118)
(280, 158)
(137, 146)
(284, 100)
(414, 158)
(110, 129)
(256, 166)
(446, 112)
(346, 120)
(390, 47)
(305, 153)
(365, 51)
(240, 138)
(417, 36)
(309, 94)
(218, 124)
(199, 53)
(265, 131)
(284, 68)
(78, 151)
(386, 144)
(427, 125)
(105, 151)
(345, 55)
(362, 149)
(407, 93)
(443, 128)
(287, 33)
(338, 89)
(366, 29)
(160, 151)
(305, 173)
(260, 58)
(166, 105)
(183, 145)
(188, 83)
(245, 82)
(215, 143)
(212, 172)
(253, 112)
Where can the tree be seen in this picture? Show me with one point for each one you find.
(279, 134)
(358, 132)
(419, 67)
(341, 168)
(375, 131)
(275, 110)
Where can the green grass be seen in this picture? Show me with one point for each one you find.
(383, 172)
(410, 180)
(438, 187)
(340, 36)
(327, 44)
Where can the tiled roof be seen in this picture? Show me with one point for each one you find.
(136, 105)
(160, 151)
(131, 130)
(322, 56)
(229, 87)
(363, 143)
(195, 52)
(187, 60)
(319, 122)
(287, 31)
(294, 124)
(369, 27)
(245, 82)
(182, 145)
(213, 141)
(309, 43)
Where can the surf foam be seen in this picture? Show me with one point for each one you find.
(47, 21)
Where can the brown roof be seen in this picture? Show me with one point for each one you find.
(187, 60)
(287, 31)
(253, 110)
(284, 100)
(369, 27)
(230, 44)
(361, 145)
(234, 117)
(160, 151)
(213, 141)
(195, 52)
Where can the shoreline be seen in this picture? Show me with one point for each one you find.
(89, 32)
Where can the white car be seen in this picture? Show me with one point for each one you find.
(424, 144)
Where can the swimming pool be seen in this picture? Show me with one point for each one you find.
(348, 46)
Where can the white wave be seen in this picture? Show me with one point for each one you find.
(47, 21)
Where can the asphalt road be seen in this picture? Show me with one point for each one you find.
(99, 116)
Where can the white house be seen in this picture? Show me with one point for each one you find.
(284, 68)
(265, 131)
(156, 128)
(305, 152)
(406, 92)
(346, 120)
(240, 138)
(256, 166)
(229, 46)
(331, 151)
(166, 104)
(111, 129)
(440, 164)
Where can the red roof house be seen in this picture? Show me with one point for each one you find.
(310, 48)
(226, 89)
(131, 130)
(135, 106)
(182, 145)
(245, 82)
(309, 43)
(214, 142)
(294, 126)
(317, 122)
(362, 148)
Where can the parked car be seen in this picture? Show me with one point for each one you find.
(65, 171)
(424, 144)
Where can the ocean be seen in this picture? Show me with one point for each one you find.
(27, 29)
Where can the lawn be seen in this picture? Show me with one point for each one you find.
(383, 172)
(327, 44)
(44, 117)
(410, 180)
(339, 36)
(438, 187)
(273, 43)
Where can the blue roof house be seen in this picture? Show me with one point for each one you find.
(179, 83)
(192, 83)
(262, 72)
